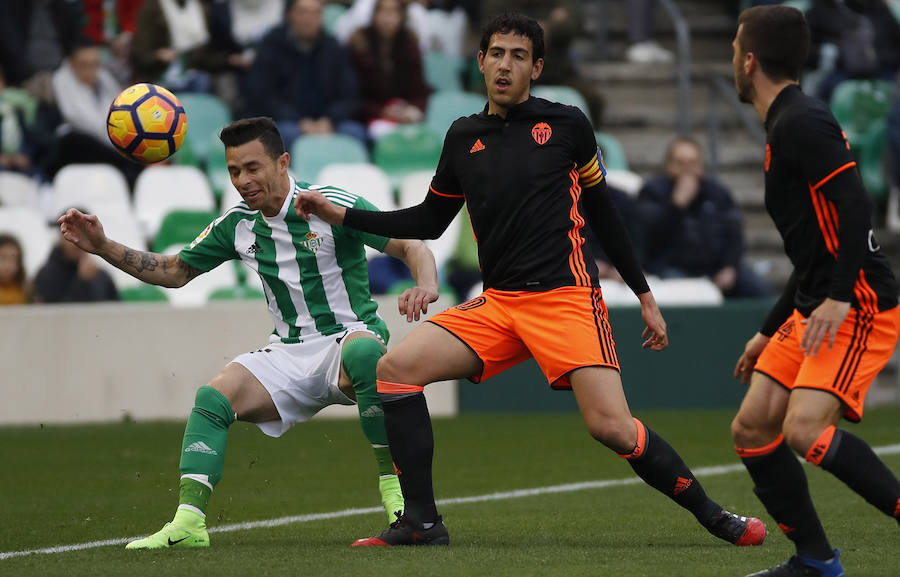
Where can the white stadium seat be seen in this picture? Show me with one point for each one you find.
(122, 226)
(17, 189)
(162, 189)
(33, 233)
(89, 186)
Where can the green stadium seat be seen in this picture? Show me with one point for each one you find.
(861, 107)
(445, 107)
(613, 153)
(181, 227)
(237, 292)
(311, 153)
(330, 14)
(21, 99)
(801, 5)
(207, 114)
(562, 94)
(216, 168)
(143, 293)
(407, 149)
(442, 71)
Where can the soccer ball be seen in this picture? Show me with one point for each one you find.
(146, 123)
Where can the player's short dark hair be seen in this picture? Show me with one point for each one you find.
(260, 128)
(779, 37)
(518, 24)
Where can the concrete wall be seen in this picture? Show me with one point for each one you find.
(105, 362)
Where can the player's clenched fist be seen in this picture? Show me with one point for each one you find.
(312, 202)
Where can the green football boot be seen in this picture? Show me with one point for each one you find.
(391, 495)
(174, 535)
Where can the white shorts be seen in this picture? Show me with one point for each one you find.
(302, 378)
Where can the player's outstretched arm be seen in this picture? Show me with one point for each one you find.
(420, 261)
(655, 336)
(309, 202)
(86, 232)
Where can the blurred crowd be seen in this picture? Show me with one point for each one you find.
(361, 68)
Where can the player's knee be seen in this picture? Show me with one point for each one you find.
(801, 431)
(393, 368)
(618, 436)
(359, 358)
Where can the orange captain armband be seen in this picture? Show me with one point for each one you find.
(591, 173)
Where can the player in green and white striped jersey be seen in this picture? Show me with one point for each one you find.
(327, 338)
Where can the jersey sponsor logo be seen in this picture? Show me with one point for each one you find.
(201, 236)
(472, 304)
(541, 132)
(768, 157)
(312, 243)
(254, 249)
(477, 147)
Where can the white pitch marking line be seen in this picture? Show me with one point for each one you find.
(500, 496)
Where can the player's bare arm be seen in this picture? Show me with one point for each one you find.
(420, 261)
(86, 231)
(754, 347)
(309, 202)
(655, 336)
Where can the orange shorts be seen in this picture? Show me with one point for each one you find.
(563, 329)
(863, 345)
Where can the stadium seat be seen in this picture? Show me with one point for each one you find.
(33, 233)
(121, 225)
(801, 5)
(562, 94)
(182, 227)
(364, 179)
(236, 292)
(413, 188)
(143, 292)
(230, 197)
(207, 114)
(90, 186)
(445, 107)
(330, 14)
(216, 168)
(311, 152)
(625, 180)
(16, 189)
(407, 149)
(21, 99)
(861, 107)
(613, 153)
(162, 189)
(442, 72)
(197, 291)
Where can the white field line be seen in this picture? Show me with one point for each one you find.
(700, 472)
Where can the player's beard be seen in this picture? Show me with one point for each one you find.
(744, 87)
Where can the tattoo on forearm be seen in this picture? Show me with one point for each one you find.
(189, 271)
(140, 261)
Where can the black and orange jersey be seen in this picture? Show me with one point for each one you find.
(816, 198)
(531, 182)
(520, 179)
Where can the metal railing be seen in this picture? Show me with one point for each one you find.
(723, 90)
(682, 66)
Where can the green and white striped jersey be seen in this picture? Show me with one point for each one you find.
(314, 275)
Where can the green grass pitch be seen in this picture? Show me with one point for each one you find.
(70, 485)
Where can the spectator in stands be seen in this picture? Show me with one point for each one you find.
(113, 24)
(71, 275)
(34, 37)
(303, 78)
(389, 66)
(690, 226)
(173, 45)
(14, 135)
(83, 91)
(361, 13)
(867, 37)
(13, 289)
(642, 49)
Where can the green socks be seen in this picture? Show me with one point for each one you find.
(359, 358)
(203, 449)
